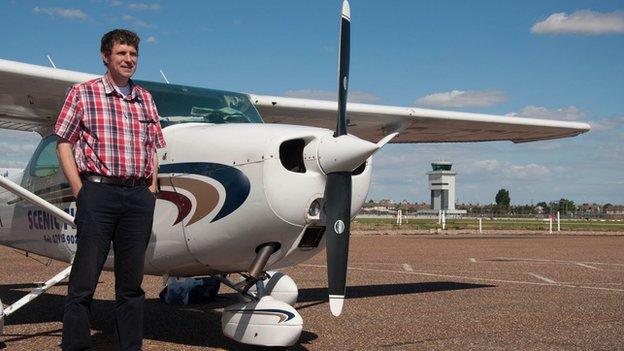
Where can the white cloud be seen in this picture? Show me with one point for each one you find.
(143, 6)
(584, 22)
(505, 170)
(547, 145)
(115, 3)
(606, 124)
(354, 96)
(533, 172)
(569, 113)
(461, 98)
(18, 164)
(525, 172)
(17, 149)
(136, 22)
(151, 40)
(142, 24)
(74, 14)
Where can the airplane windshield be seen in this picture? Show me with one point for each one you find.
(183, 104)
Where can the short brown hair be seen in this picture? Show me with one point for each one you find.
(119, 36)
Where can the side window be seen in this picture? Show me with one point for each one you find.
(45, 161)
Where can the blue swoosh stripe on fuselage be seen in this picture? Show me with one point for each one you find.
(235, 182)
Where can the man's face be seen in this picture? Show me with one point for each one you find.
(122, 61)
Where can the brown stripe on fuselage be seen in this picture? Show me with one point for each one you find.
(206, 196)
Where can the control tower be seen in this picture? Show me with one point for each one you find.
(442, 186)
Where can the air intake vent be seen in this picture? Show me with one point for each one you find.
(312, 237)
(291, 155)
(360, 169)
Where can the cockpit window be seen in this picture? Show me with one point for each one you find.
(45, 160)
(182, 104)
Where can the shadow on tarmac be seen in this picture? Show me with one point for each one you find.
(195, 324)
(317, 296)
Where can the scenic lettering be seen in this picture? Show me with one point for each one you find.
(41, 220)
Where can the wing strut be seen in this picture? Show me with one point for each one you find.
(35, 293)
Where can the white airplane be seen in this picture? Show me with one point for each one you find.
(248, 183)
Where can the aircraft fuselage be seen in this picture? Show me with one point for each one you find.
(225, 189)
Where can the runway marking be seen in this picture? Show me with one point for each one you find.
(407, 267)
(586, 265)
(542, 278)
(376, 263)
(471, 259)
(451, 276)
(558, 261)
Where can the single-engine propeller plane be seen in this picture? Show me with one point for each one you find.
(248, 183)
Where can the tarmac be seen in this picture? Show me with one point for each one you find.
(405, 292)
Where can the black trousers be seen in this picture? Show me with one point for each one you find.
(124, 216)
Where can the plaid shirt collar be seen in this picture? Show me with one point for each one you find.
(110, 87)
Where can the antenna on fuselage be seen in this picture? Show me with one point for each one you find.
(164, 77)
(51, 62)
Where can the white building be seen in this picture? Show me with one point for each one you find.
(442, 189)
(442, 186)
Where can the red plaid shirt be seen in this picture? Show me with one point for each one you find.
(113, 135)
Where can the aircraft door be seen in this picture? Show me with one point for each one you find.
(168, 248)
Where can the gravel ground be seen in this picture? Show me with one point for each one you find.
(406, 292)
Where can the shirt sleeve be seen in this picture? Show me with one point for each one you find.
(68, 122)
(159, 141)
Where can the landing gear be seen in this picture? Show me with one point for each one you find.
(264, 322)
(267, 316)
(277, 285)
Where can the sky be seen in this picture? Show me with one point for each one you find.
(556, 60)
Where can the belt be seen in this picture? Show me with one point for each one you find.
(127, 182)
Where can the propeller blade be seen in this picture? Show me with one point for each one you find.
(338, 222)
(343, 68)
(338, 187)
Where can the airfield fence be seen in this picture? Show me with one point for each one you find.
(488, 221)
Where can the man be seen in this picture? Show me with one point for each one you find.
(108, 130)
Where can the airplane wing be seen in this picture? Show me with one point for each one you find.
(415, 125)
(31, 97)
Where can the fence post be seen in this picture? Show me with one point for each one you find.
(550, 220)
(480, 225)
(558, 222)
(399, 217)
(443, 220)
